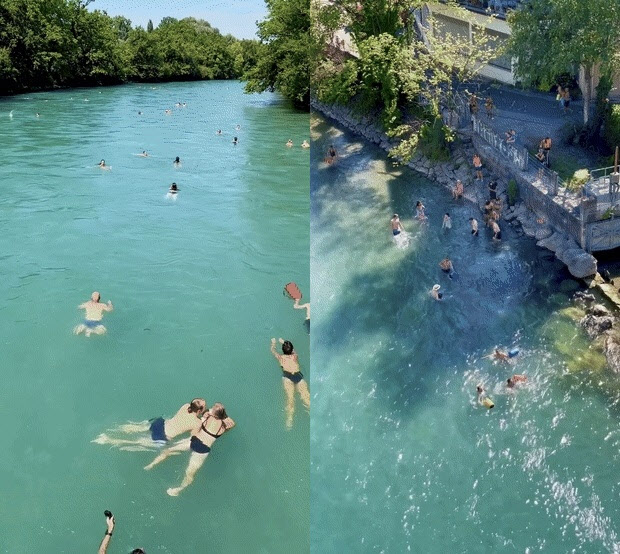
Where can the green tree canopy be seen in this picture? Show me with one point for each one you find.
(283, 62)
(551, 37)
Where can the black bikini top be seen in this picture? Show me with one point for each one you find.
(222, 424)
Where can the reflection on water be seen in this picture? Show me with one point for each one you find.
(404, 458)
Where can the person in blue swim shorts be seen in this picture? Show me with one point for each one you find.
(158, 431)
(292, 378)
(397, 228)
(94, 314)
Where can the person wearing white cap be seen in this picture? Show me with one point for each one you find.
(435, 292)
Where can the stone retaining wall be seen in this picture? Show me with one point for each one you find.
(535, 205)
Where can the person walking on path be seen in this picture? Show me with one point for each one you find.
(560, 96)
(489, 106)
(566, 97)
(473, 104)
(545, 144)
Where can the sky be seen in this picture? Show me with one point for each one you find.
(235, 17)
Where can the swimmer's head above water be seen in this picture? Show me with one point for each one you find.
(174, 188)
(197, 406)
(177, 160)
(219, 411)
(95, 296)
(287, 347)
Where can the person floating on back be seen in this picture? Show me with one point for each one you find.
(156, 432)
(94, 314)
(292, 378)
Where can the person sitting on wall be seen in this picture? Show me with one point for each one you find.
(511, 136)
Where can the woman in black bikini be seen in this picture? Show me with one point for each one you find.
(292, 378)
(215, 423)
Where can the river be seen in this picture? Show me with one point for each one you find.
(196, 282)
(403, 459)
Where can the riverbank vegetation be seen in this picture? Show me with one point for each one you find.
(47, 44)
(401, 78)
(282, 61)
(547, 41)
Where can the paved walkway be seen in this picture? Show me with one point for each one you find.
(533, 115)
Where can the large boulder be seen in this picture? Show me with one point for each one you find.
(596, 325)
(599, 310)
(553, 242)
(543, 232)
(612, 352)
(583, 265)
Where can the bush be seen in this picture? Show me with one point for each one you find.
(513, 192)
(612, 127)
(578, 180)
(433, 141)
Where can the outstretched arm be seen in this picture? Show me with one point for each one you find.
(273, 350)
(229, 422)
(103, 547)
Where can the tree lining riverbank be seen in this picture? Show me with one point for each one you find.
(49, 44)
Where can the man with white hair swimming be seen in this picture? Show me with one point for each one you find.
(94, 314)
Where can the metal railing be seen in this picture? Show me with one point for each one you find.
(517, 155)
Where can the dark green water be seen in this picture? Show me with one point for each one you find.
(197, 288)
(402, 457)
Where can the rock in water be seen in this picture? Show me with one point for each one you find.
(596, 325)
(612, 352)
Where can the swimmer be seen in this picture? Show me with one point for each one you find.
(158, 431)
(139, 113)
(446, 266)
(474, 226)
(168, 112)
(498, 355)
(238, 127)
(94, 314)
(447, 222)
(184, 104)
(306, 307)
(457, 191)
(331, 155)
(38, 114)
(235, 141)
(292, 378)
(102, 165)
(177, 162)
(11, 115)
(173, 189)
(218, 132)
(144, 154)
(419, 209)
(497, 232)
(482, 399)
(214, 424)
(397, 228)
(435, 292)
(289, 143)
(178, 104)
(305, 144)
(515, 380)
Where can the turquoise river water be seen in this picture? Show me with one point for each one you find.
(196, 284)
(403, 459)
